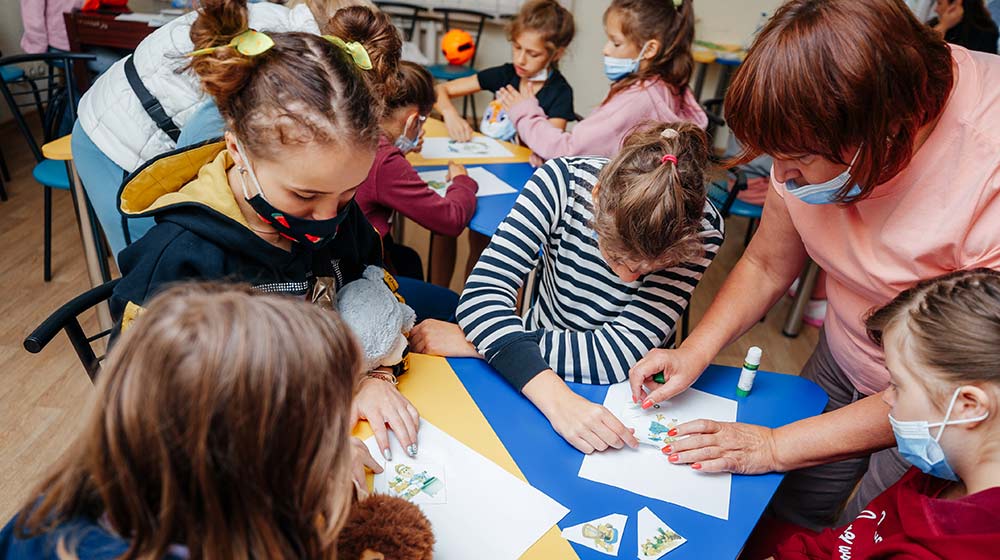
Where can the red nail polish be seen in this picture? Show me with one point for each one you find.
(666, 449)
(696, 466)
(673, 458)
(647, 404)
(635, 400)
(672, 432)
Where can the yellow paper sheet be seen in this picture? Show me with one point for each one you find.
(442, 400)
(436, 129)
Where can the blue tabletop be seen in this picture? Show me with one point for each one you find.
(491, 210)
(551, 465)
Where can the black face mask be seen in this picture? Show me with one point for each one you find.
(310, 233)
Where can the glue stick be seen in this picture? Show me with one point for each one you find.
(750, 365)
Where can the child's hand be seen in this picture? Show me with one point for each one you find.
(455, 169)
(362, 459)
(586, 426)
(441, 339)
(458, 128)
(509, 96)
(382, 405)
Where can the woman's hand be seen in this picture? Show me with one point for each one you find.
(536, 160)
(458, 128)
(680, 369)
(724, 447)
(586, 426)
(454, 170)
(441, 339)
(382, 405)
(362, 459)
(509, 96)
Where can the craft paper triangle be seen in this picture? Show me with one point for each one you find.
(656, 538)
(603, 535)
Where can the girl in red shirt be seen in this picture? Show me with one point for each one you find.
(942, 348)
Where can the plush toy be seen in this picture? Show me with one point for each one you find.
(381, 527)
(378, 318)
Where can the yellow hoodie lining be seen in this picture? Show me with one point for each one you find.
(195, 176)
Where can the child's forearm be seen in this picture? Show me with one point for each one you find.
(444, 104)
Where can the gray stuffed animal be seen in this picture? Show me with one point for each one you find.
(377, 317)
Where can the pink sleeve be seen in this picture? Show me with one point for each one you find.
(35, 37)
(402, 189)
(981, 246)
(589, 137)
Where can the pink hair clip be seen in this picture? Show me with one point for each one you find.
(669, 157)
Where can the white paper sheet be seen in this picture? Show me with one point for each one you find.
(489, 513)
(479, 147)
(489, 184)
(656, 538)
(603, 535)
(647, 472)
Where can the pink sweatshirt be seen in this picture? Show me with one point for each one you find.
(44, 25)
(601, 133)
(393, 184)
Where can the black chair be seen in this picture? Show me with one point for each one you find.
(404, 15)
(448, 72)
(54, 97)
(67, 318)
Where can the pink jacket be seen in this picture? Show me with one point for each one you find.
(601, 133)
(44, 25)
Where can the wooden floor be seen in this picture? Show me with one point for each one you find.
(43, 397)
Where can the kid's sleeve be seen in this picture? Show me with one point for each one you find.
(402, 189)
(487, 310)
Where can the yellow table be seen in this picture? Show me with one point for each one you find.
(442, 400)
(435, 128)
(60, 150)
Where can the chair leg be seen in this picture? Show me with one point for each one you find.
(475, 117)
(48, 234)
(4, 170)
(3, 191)
(751, 225)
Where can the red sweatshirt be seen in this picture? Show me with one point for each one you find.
(393, 185)
(908, 521)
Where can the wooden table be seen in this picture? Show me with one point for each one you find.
(101, 29)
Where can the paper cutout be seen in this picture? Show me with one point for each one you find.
(603, 535)
(486, 505)
(415, 481)
(656, 538)
(489, 184)
(478, 147)
(651, 425)
(647, 472)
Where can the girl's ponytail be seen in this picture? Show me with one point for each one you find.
(223, 71)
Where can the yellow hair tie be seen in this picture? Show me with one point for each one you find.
(249, 43)
(356, 50)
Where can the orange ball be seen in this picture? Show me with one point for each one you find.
(457, 46)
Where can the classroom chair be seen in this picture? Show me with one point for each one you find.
(8, 75)
(67, 318)
(51, 96)
(447, 72)
(404, 15)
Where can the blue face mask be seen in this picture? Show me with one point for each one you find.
(824, 193)
(404, 141)
(913, 438)
(617, 68)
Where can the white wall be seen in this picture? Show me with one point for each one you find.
(10, 37)
(719, 21)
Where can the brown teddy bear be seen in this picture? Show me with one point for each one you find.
(382, 527)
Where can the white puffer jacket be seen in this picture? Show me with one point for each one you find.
(110, 113)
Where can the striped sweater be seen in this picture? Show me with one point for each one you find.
(586, 324)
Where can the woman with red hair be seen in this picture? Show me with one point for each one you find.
(886, 150)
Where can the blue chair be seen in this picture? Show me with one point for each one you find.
(9, 75)
(725, 200)
(448, 72)
(51, 96)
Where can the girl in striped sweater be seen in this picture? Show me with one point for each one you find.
(619, 246)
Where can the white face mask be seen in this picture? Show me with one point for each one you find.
(541, 76)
